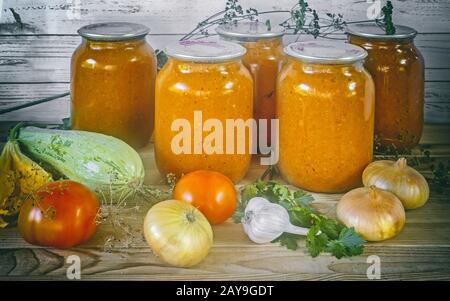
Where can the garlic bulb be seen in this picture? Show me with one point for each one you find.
(265, 221)
(374, 213)
(400, 179)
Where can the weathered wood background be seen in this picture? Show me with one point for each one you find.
(34, 63)
(34, 55)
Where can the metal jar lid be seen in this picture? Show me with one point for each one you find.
(373, 31)
(114, 31)
(325, 52)
(249, 31)
(205, 51)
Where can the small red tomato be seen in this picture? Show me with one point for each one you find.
(60, 214)
(209, 191)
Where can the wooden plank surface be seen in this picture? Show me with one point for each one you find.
(48, 37)
(56, 110)
(420, 252)
(56, 69)
(175, 16)
(32, 67)
(20, 50)
(434, 47)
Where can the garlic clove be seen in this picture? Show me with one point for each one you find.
(256, 203)
(265, 221)
(259, 232)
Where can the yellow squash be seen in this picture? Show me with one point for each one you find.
(19, 176)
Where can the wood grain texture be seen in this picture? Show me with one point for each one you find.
(37, 66)
(54, 111)
(175, 16)
(51, 112)
(434, 47)
(435, 136)
(420, 252)
(39, 51)
(22, 92)
(261, 263)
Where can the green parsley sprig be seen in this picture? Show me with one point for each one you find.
(325, 234)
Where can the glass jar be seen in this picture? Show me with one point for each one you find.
(203, 86)
(397, 68)
(325, 107)
(113, 76)
(263, 59)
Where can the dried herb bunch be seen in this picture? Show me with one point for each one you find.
(302, 19)
(386, 23)
(435, 170)
(123, 221)
(123, 213)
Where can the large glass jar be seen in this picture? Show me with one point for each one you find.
(113, 76)
(203, 86)
(263, 59)
(397, 68)
(325, 107)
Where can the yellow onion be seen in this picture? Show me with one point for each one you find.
(374, 213)
(178, 233)
(400, 179)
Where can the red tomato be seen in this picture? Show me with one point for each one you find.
(60, 214)
(209, 191)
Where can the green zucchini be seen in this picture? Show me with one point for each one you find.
(103, 163)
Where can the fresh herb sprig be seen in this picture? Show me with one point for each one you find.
(325, 234)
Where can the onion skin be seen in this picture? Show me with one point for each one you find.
(400, 179)
(178, 233)
(374, 213)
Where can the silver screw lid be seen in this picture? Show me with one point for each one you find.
(205, 51)
(373, 31)
(325, 52)
(249, 31)
(114, 31)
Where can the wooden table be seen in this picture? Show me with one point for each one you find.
(420, 252)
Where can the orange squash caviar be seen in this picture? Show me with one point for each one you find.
(325, 106)
(397, 68)
(263, 59)
(206, 77)
(113, 82)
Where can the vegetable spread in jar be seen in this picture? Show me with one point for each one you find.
(263, 59)
(397, 68)
(113, 76)
(325, 107)
(202, 88)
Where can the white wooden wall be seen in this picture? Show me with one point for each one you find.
(34, 58)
